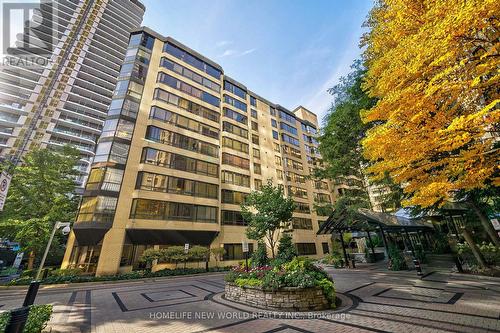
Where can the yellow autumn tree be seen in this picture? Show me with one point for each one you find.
(434, 67)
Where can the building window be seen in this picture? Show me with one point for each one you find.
(256, 153)
(169, 184)
(233, 197)
(325, 247)
(320, 185)
(229, 177)
(287, 117)
(183, 122)
(231, 217)
(179, 162)
(256, 168)
(253, 113)
(279, 174)
(235, 144)
(192, 60)
(255, 126)
(277, 159)
(274, 123)
(272, 111)
(235, 251)
(239, 131)
(275, 135)
(236, 161)
(289, 129)
(322, 197)
(188, 89)
(228, 86)
(276, 147)
(258, 184)
(236, 103)
(253, 101)
(302, 223)
(301, 207)
(289, 139)
(235, 116)
(304, 249)
(297, 192)
(166, 97)
(181, 141)
(255, 139)
(176, 211)
(185, 72)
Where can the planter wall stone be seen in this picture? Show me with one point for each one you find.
(285, 299)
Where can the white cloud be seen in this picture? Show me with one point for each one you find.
(222, 43)
(236, 53)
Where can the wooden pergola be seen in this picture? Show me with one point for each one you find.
(367, 221)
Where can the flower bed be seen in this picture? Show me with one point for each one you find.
(291, 286)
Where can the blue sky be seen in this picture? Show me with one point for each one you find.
(288, 51)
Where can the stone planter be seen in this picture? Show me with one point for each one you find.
(285, 299)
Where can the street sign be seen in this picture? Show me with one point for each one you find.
(496, 224)
(17, 261)
(4, 187)
(186, 248)
(245, 246)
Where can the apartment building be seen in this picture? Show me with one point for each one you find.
(56, 84)
(182, 146)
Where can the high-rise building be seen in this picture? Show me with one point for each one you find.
(57, 83)
(182, 146)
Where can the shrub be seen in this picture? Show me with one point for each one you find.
(286, 249)
(4, 319)
(441, 244)
(175, 254)
(66, 272)
(150, 255)
(259, 257)
(328, 290)
(198, 253)
(127, 276)
(333, 259)
(300, 272)
(248, 282)
(397, 261)
(38, 318)
(376, 241)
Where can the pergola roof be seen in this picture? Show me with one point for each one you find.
(365, 219)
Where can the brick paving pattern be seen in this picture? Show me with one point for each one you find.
(374, 300)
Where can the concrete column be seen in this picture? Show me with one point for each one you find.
(111, 252)
(69, 249)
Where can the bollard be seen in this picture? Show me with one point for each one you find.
(17, 320)
(416, 263)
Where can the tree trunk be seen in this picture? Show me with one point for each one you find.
(475, 250)
(31, 260)
(486, 224)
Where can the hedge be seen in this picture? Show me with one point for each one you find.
(63, 278)
(38, 318)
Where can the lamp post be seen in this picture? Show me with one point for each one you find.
(33, 288)
(19, 316)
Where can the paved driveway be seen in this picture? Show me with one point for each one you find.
(373, 301)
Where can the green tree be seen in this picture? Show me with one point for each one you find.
(286, 249)
(41, 193)
(198, 253)
(340, 139)
(259, 256)
(267, 212)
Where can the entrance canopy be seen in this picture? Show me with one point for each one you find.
(365, 219)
